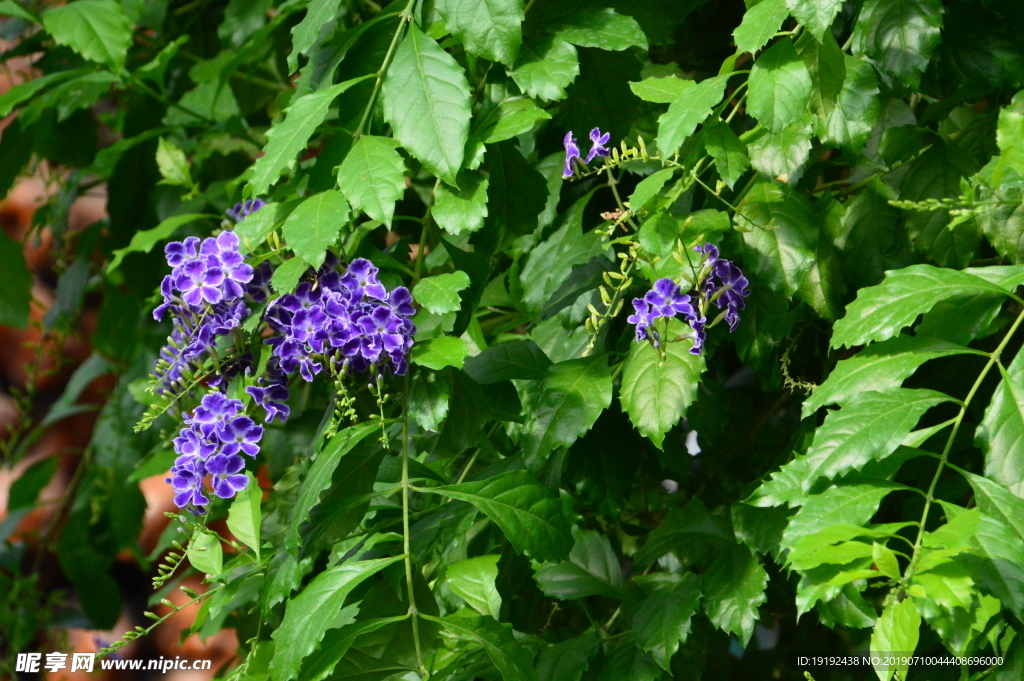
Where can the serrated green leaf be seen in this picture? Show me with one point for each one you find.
(759, 25)
(782, 236)
(900, 35)
(315, 225)
(729, 152)
(648, 188)
(880, 312)
(372, 176)
(733, 590)
(512, 659)
(507, 361)
(782, 155)
(826, 63)
(997, 502)
(527, 512)
(244, 515)
(780, 86)
(463, 209)
(851, 120)
(656, 392)
(1010, 134)
(592, 570)
(96, 29)
(473, 580)
(512, 117)
(308, 616)
(688, 111)
(173, 165)
(441, 352)
(305, 33)
(287, 138)
(816, 15)
(1001, 571)
(426, 101)
(563, 406)
(205, 553)
(440, 293)
(847, 505)
(662, 621)
(336, 643)
(949, 584)
(545, 67)
(567, 660)
(679, 528)
(604, 29)
(660, 89)
(428, 400)
(895, 634)
(488, 28)
(879, 367)
(1000, 434)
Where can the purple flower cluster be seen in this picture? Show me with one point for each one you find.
(721, 283)
(242, 210)
(204, 293)
(348, 320)
(572, 150)
(211, 443)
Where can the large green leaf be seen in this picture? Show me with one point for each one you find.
(96, 29)
(512, 659)
(656, 391)
(564, 405)
(815, 15)
(662, 621)
(872, 238)
(473, 579)
(1001, 432)
(567, 660)
(895, 635)
(288, 137)
(309, 615)
(244, 515)
(527, 512)
(900, 35)
(440, 293)
(844, 505)
(880, 312)
(878, 367)
(336, 643)
(682, 526)
(760, 24)
(305, 33)
(463, 209)
(733, 590)
(604, 28)
(688, 111)
(850, 121)
(545, 67)
(520, 359)
(372, 176)
(438, 353)
(782, 155)
(592, 570)
(997, 502)
(1001, 571)
(870, 426)
(315, 225)
(516, 195)
(426, 101)
(318, 479)
(781, 239)
(780, 86)
(728, 150)
(488, 28)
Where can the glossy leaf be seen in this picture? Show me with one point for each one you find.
(734, 587)
(690, 109)
(900, 35)
(508, 655)
(1001, 432)
(473, 579)
(440, 293)
(729, 152)
(662, 621)
(780, 86)
(592, 570)
(315, 225)
(438, 353)
(605, 29)
(853, 504)
(816, 15)
(96, 29)
(895, 635)
(759, 25)
(505, 361)
(205, 553)
(568, 660)
(372, 176)
(244, 515)
(680, 527)
(489, 28)
(545, 67)
(463, 209)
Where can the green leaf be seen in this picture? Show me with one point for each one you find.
(1000, 434)
(546, 65)
(895, 634)
(759, 25)
(315, 225)
(682, 526)
(205, 553)
(319, 13)
(309, 615)
(473, 579)
(879, 367)
(849, 123)
(13, 9)
(211, 99)
(660, 90)
(826, 63)
(815, 15)
(488, 28)
(172, 164)
(662, 621)
(846, 505)
(463, 209)
(286, 276)
(733, 590)
(1001, 571)
(16, 293)
(467, 413)
(592, 570)
(688, 111)
(507, 361)
(782, 155)
(880, 312)
(563, 406)
(997, 502)
(780, 86)
(318, 479)
(516, 195)
(512, 117)
(372, 176)
(729, 152)
(244, 515)
(626, 661)
(526, 511)
(25, 490)
(512, 659)
(426, 101)
(899, 35)
(336, 643)
(649, 187)
(949, 584)
(567, 660)
(441, 352)
(656, 392)
(604, 28)
(782, 236)
(870, 426)
(25, 91)
(96, 29)
(440, 293)
(885, 560)
(428, 400)
(872, 238)
(287, 138)
(1010, 134)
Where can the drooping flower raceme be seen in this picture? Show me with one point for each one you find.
(720, 282)
(211, 443)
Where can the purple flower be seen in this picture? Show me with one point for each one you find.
(241, 434)
(361, 279)
(572, 151)
(699, 335)
(226, 479)
(258, 288)
(187, 475)
(242, 210)
(643, 320)
(668, 299)
(214, 412)
(597, 144)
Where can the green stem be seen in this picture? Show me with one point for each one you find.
(413, 612)
(930, 496)
(613, 183)
(403, 17)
